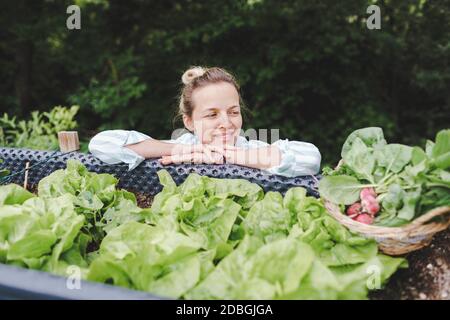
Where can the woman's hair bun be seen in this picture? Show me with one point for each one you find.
(191, 74)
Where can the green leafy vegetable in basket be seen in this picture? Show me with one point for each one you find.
(406, 181)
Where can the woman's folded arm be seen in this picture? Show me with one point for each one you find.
(132, 147)
(109, 147)
(297, 158)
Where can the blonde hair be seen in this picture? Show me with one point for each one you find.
(198, 77)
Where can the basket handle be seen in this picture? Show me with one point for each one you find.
(440, 211)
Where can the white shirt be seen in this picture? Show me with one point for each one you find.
(298, 158)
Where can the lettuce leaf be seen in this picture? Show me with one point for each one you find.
(13, 194)
(148, 258)
(95, 196)
(36, 233)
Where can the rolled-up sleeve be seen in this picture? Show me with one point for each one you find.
(298, 159)
(109, 147)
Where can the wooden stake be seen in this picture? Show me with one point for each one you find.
(68, 141)
(27, 166)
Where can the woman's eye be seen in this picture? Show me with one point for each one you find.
(211, 115)
(235, 113)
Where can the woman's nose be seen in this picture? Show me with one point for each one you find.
(224, 121)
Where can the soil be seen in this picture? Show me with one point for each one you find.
(144, 200)
(426, 278)
(32, 188)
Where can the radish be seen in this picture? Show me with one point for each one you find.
(369, 202)
(364, 218)
(367, 192)
(354, 210)
(370, 205)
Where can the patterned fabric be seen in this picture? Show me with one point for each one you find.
(298, 158)
(144, 178)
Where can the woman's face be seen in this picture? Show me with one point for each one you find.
(216, 118)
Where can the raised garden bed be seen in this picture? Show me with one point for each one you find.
(427, 277)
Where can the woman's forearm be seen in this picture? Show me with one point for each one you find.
(258, 158)
(267, 157)
(152, 148)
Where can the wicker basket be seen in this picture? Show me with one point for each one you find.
(397, 240)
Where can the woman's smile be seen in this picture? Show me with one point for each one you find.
(216, 118)
(227, 134)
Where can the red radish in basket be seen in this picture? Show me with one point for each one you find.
(369, 202)
(367, 192)
(364, 218)
(371, 206)
(354, 210)
(364, 211)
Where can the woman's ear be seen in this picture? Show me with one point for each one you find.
(188, 123)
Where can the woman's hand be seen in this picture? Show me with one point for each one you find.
(198, 153)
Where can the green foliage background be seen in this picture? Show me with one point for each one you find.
(310, 68)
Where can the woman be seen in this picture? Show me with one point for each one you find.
(210, 106)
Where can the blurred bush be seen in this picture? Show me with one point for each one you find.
(310, 68)
(40, 132)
